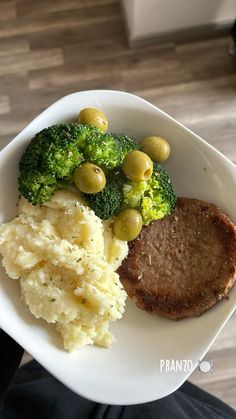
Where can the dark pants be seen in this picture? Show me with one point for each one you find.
(30, 392)
(233, 32)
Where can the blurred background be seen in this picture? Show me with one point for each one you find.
(172, 53)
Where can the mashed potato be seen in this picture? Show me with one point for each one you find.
(65, 258)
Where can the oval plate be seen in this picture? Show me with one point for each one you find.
(129, 372)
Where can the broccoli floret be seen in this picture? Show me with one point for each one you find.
(37, 188)
(127, 144)
(86, 132)
(50, 156)
(154, 198)
(103, 150)
(107, 150)
(109, 201)
(54, 150)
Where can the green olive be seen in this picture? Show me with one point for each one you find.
(156, 147)
(128, 224)
(95, 117)
(89, 178)
(137, 166)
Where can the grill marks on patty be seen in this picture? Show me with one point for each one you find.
(181, 265)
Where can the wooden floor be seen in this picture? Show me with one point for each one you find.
(51, 48)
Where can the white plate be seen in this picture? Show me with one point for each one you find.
(129, 372)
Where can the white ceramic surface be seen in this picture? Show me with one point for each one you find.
(129, 372)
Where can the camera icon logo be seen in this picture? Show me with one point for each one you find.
(205, 366)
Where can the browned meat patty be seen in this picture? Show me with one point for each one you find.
(182, 265)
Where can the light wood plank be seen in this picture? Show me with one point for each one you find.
(7, 10)
(207, 62)
(4, 140)
(4, 105)
(136, 71)
(11, 83)
(24, 62)
(29, 8)
(62, 21)
(13, 46)
(10, 127)
(92, 32)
